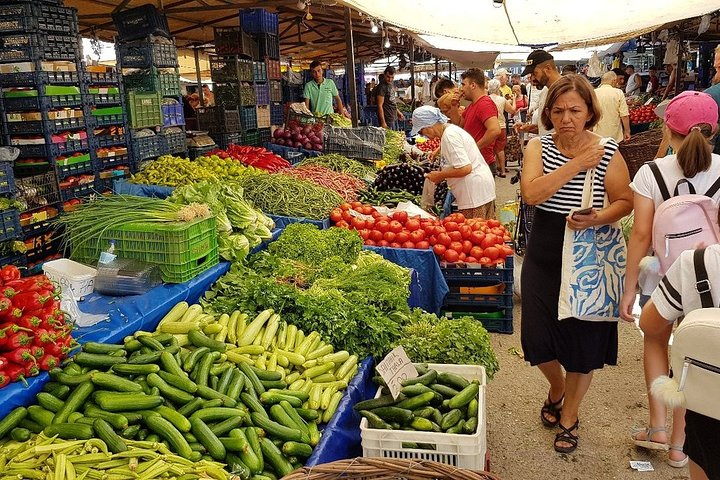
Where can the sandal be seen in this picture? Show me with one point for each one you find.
(678, 463)
(551, 408)
(648, 443)
(566, 436)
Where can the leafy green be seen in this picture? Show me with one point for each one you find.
(306, 243)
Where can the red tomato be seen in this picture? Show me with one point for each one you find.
(395, 245)
(367, 210)
(507, 251)
(356, 205)
(451, 256)
(422, 245)
(358, 223)
(444, 239)
(396, 226)
(439, 250)
(506, 238)
(408, 245)
(375, 214)
(400, 217)
(455, 236)
(462, 257)
(403, 236)
(364, 233)
(382, 225)
(347, 217)
(412, 224)
(471, 260)
(345, 207)
(476, 252)
(430, 230)
(370, 223)
(467, 246)
(389, 236)
(492, 253)
(451, 226)
(465, 231)
(336, 215)
(485, 261)
(342, 224)
(417, 236)
(457, 246)
(376, 235)
(370, 243)
(383, 217)
(489, 241)
(383, 243)
(498, 231)
(433, 240)
(477, 238)
(492, 223)
(458, 217)
(440, 229)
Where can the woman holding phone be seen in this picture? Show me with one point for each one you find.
(555, 165)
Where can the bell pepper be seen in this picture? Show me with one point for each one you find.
(16, 372)
(18, 340)
(32, 300)
(9, 272)
(48, 362)
(21, 356)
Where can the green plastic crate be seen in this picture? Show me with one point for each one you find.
(153, 80)
(181, 250)
(145, 109)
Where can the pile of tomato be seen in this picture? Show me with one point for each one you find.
(454, 239)
(643, 114)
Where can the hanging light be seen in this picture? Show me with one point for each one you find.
(387, 41)
(373, 26)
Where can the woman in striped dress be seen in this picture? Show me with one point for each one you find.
(568, 351)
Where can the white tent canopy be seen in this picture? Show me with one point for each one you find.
(530, 22)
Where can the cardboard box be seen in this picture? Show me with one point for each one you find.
(17, 67)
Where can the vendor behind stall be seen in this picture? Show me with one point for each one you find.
(319, 93)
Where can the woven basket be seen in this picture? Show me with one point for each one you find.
(640, 148)
(386, 469)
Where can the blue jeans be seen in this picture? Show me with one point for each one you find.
(447, 206)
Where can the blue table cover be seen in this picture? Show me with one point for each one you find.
(282, 222)
(123, 187)
(433, 286)
(126, 315)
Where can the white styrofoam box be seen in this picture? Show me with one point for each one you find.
(462, 451)
(73, 277)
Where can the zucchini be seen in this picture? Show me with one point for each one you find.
(394, 414)
(166, 430)
(273, 384)
(190, 408)
(253, 436)
(199, 339)
(174, 417)
(208, 439)
(132, 345)
(121, 401)
(36, 413)
(150, 342)
(170, 365)
(237, 467)
(224, 381)
(117, 420)
(130, 432)
(173, 394)
(135, 369)
(273, 398)
(427, 379)
(150, 357)
(251, 331)
(182, 382)
(275, 458)
(295, 417)
(275, 429)
(237, 381)
(71, 380)
(28, 424)
(227, 425)
(374, 421)
(332, 407)
(308, 415)
(105, 432)
(253, 404)
(203, 369)
(217, 413)
(210, 394)
(102, 348)
(417, 401)
(295, 449)
(254, 381)
(178, 311)
(279, 414)
(193, 358)
(384, 401)
(314, 433)
(49, 401)
(265, 374)
(97, 360)
(76, 399)
(451, 419)
(465, 396)
(452, 380)
(20, 434)
(108, 381)
(70, 431)
(12, 420)
(246, 452)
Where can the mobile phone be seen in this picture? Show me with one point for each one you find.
(584, 211)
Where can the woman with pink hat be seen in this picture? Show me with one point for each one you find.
(691, 120)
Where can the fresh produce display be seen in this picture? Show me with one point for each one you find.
(34, 334)
(340, 121)
(458, 341)
(427, 145)
(286, 195)
(394, 143)
(240, 226)
(171, 172)
(257, 157)
(8, 203)
(387, 198)
(405, 175)
(339, 163)
(346, 185)
(432, 402)
(225, 168)
(321, 280)
(295, 134)
(644, 114)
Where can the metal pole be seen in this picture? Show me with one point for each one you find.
(350, 70)
(437, 67)
(678, 79)
(199, 77)
(450, 70)
(412, 73)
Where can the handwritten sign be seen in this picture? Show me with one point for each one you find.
(395, 368)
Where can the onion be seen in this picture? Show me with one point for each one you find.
(278, 133)
(287, 135)
(279, 141)
(308, 146)
(307, 130)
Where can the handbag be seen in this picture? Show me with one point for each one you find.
(593, 267)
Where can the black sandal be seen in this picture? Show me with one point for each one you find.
(566, 436)
(551, 408)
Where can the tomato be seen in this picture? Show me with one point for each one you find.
(492, 223)
(358, 223)
(467, 246)
(347, 217)
(433, 240)
(342, 224)
(456, 236)
(389, 236)
(376, 235)
(345, 207)
(462, 257)
(370, 223)
(422, 245)
(476, 252)
(396, 226)
(412, 225)
(364, 233)
(440, 229)
(366, 210)
(492, 253)
(506, 238)
(383, 243)
(457, 246)
(477, 238)
(370, 243)
(382, 225)
(507, 251)
(408, 245)
(451, 226)
(417, 236)
(430, 230)
(444, 239)
(403, 236)
(471, 260)
(395, 245)
(465, 231)
(336, 215)
(375, 214)
(489, 241)
(498, 231)
(458, 217)
(451, 256)
(356, 205)
(439, 250)
(485, 261)
(400, 217)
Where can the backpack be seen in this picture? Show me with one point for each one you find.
(695, 355)
(682, 222)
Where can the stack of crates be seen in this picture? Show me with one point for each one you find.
(43, 105)
(108, 124)
(147, 59)
(10, 229)
(263, 26)
(229, 73)
(484, 293)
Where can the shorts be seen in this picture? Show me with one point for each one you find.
(483, 211)
(501, 141)
(702, 442)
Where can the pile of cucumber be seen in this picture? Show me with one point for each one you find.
(432, 402)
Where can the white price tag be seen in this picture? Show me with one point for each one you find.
(641, 466)
(395, 368)
(650, 100)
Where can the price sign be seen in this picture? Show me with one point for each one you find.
(395, 368)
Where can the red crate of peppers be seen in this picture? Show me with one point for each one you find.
(34, 333)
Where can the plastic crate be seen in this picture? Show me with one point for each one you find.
(262, 94)
(30, 16)
(273, 69)
(167, 84)
(109, 120)
(291, 154)
(262, 113)
(234, 41)
(144, 148)
(470, 275)
(144, 109)
(176, 142)
(40, 249)
(105, 140)
(46, 126)
(259, 72)
(105, 99)
(9, 224)
(30, 47)
(247, 96)
(224, 140)
(230, 69)
(277, 114)
(275, 91)
(259, 20)
(74, 166)
(264, 135)
(113, 161)
(38, 191)
(7, 178)
(79, 191)
(461, 451)
(251, 138)
(361, 143)
(31, 79)
(268, 46)
(42, 102)
(173, 114)
(51, 150)
(147, 54)
(102, 78)
(195, 152)
(492, 320)
(218, 120)
(140, 22)
(248, 118)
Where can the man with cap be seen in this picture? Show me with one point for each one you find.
(503, 76)
(463, 166)
(543, 73)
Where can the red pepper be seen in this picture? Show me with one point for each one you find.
(8, 292)
(30, 321)
(37, 352)
(31, 370)
(18, 340)
(21, 356)
(5, 305)
(32, 300)
(9, 272)
(48, 362)
(13, 315)
(60, 347)
(32, 284)
(11, 328)
(3, 363)
(16, 372)
(4, 379)
(42, 338)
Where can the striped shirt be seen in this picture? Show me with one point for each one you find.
(569, 196)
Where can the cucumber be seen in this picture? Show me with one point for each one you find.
(217, 413)
(272, 398)
(444, 390)
(150, 342)
(266, 375)
(252, 377)
(224, 381)
(20, 434)
(237, 467)
(49, 401)
(417, 401)
(102, 348)
(209, 440)
(97, 360)
(120, 401)
(472, 409)
(414, 390)
(173, 394)
(193, 358)
(233, 444)
(115, 419)
(375, 421)
(150, 357)
(166, 430)
(36, 413)
(203, 372)
(199, 339)
(253, 436)
(457, 429)
(275, 429)
(423, 424)
(130, 432)
(308, 415)
(135, 369)
(426, 379)
(170, 365)
(273, 384)
(295, 417)
(182, 382)
(227, 425)
(275, 458)
(424, 412)
(108, 381)
(314, 434)
(394, 414)
(465, 396)
(470, 426)
(295, 449)
(105, 432)
(76, 399)
(421, 368)
(452, 380)
(451, 419)
(247, 454)
(12, 420)
(279, 414)
(210, 394)
(174, 417)
(59, 390)
(384, 401)
(190, 408)
(71, 380)
(70, 431)
(28, 424)
(237, 381)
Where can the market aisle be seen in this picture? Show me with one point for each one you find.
(521, 448)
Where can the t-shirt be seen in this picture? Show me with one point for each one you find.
(613, 106)
(500, 104)
(634, 83)
(676, 294)
(653, 84)
(505, 90)
(542, 98)
(321, 96)
(389, 92)
(458, 150)
(476, 114)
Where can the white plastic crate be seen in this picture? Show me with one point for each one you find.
(462, 451)
(74, 278)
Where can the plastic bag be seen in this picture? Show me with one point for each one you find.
(428, 195)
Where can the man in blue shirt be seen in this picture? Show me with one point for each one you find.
(714, 91)
(319, 93)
